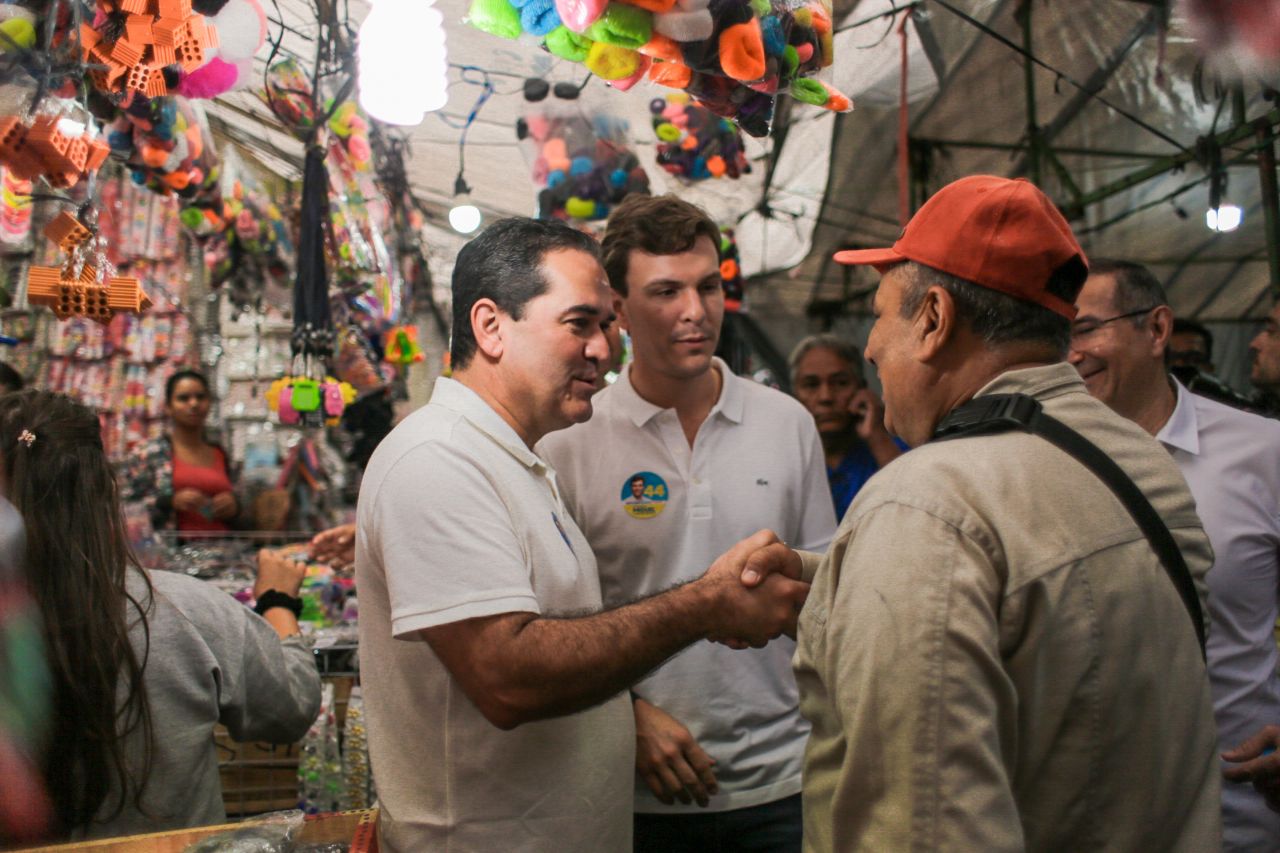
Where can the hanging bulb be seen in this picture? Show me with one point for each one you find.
(403, 65)
(464, 218)
(1223, 218)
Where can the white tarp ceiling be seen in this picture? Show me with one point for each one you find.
(834, 182)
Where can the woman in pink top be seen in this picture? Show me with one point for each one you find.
(183, 478)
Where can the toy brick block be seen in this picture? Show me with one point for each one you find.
(137, 29)
(62, 180)
(43, 285)
(163, 54)
(89, 37)
(169, 32)
(24, 164)
(179, 9)
(134, 7)
(66, 231)
(13, 133)
(97, 306)
(44, 133)
(156, 87)
(99, 150)
(126, 52)
(136, 79)
(191, 55)
(210, 36)
(78, 152)
(125, 294)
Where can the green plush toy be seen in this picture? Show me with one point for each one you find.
(496, 17)
(566, 44)
(622, 25)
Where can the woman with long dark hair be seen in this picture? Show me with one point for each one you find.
(183, 478)
(143, 664)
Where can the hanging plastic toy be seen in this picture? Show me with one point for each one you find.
(402, 346)
(694, 144)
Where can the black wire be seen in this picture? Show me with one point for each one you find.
(1062, 75)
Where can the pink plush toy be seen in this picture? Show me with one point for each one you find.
(577, 15)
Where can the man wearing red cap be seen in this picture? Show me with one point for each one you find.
(993, 655)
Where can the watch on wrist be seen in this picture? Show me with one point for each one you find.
(275, 598)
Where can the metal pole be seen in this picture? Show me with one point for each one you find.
(1029, 82)
(1270, 199)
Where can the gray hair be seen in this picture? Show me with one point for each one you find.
(1136, 287)
(844, 350)
(995, 317)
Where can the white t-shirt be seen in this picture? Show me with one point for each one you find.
(756, 463)
(1231, 460)
(457, 519)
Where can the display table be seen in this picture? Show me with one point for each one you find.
(357, 829)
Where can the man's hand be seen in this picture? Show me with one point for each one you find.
(189, 500)
(669, 760)
(868, 413)
(336, 545)
(1261, 764)
(279, 573)
(224, 506)
(750, 616)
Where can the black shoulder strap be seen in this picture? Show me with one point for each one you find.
(996, 413)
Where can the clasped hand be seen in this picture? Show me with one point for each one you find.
(753, 615)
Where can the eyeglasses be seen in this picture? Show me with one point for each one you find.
(1088, 327)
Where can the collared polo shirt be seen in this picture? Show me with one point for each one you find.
(458, 519)
(755, 463)
(993, 658)
(1231, 460)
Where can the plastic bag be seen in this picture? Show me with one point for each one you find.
(273, 833)
(582, 167)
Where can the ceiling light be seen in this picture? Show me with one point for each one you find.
(1224, 218)
(465, 218)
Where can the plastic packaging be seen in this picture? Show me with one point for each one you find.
(273, 833)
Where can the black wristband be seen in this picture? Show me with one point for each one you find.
(275, 598)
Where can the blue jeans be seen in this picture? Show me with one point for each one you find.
(769, 828)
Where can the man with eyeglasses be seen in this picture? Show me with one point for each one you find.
(1231, 460)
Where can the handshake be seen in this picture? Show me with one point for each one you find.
(753, 592)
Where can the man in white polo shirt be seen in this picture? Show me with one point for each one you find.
(1231, 461)
(497, 711)
(680, 460)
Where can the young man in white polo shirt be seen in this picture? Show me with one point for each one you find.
(498, 717)
(681, 459)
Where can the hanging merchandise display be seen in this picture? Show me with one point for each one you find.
(582, 167)
(60, 150)
(85, 285)
(694, 144)
(15, 208)
(301, 400)
(167, 146)
(734, 58)
(730, 271)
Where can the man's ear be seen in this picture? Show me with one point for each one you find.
(620, 308)
(1160, 327)
(935, 323)
(486, 324)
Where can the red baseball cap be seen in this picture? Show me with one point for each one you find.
(1003, 234)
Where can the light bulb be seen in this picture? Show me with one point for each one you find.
(1227, 217)
(465, 218)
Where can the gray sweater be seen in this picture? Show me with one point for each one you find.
(212, 660)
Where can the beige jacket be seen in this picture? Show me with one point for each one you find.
(993, 659)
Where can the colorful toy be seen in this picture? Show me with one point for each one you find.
(300, 399)
(402, 346)
(59, 150)
(582, 167)
(85, 285)
(693, 143)
(730, 271)
(733, 56)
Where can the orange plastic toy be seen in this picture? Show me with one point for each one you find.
(84, 296)
(156, 33)
(44, 150)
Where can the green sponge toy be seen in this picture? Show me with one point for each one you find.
(566, 44)
(496, 17)
(622, 25)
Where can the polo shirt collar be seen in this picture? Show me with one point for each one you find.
(456, 397)
(640, 411)
(1182, 430)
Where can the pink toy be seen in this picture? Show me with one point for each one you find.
(577, 15)
(286, 411)
(333, 402)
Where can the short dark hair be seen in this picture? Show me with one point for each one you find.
(504, 264)
(1181, 326)
(1136, 287)
(171, 384)
(10, 379)
(845, 351)
(639, 477)
(996, 317)
(659, 225)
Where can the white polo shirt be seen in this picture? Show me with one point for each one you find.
(1231, 460)
(457, 519)
(756, 463)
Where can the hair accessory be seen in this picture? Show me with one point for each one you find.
(27, 437)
